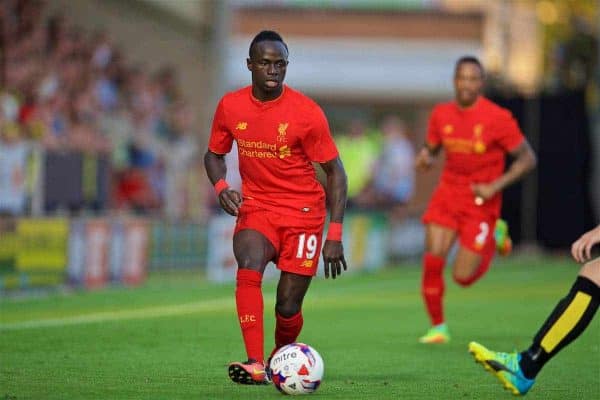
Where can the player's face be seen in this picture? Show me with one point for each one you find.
(468, 82)
(268, 63)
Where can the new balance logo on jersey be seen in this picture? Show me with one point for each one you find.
(307, 263)
(241, 126)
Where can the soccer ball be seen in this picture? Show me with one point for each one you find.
(296, 368)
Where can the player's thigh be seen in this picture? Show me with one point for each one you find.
(255, 240)
(252, 249)
(591, 271)
(476, 237)
(439, 239)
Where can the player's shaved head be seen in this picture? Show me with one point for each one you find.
(264, 36)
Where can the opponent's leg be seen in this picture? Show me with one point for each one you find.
(572, 315)
(568, 320)
(252, 251)
(438, 241)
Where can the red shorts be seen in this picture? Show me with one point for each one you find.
(297, 241)
(474, 224)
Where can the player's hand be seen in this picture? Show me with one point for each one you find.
(424, 160)
(333, 258)
(582, 247)
(484, 190)
(230, 201)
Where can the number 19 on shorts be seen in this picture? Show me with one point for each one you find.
(307, 246)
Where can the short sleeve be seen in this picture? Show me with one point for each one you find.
(433, 132)
(221, 139)
(509, 134)
(318, 143)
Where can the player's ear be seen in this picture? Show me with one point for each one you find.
(249, 64)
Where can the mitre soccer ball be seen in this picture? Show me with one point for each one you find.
(296, 368)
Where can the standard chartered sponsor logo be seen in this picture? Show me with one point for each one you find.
(257, 149)
(459, 145)
(256, 144)
(256, 153)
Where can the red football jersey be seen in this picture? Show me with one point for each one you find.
(277, 141)
(475, 141)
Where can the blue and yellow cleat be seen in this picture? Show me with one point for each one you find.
(437, 334)
(505, 366)
(503, 240)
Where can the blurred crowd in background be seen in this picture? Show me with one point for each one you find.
(96, 132)
(73, 96)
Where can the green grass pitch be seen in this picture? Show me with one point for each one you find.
(173, 338)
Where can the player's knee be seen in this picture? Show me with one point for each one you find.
(251, 262)
(591, 271)
(245, 263)
(463, 281)
(437, 252)
(287, 309)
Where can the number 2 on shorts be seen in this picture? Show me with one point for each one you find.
(483, 233)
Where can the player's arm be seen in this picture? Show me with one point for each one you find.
(582, 247)
(524, 161)
(337, 188)
(425, 157)
(432, 146)
(216, 169)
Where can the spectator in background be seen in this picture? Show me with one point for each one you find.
(580, 55)
(392, 180)
(13, 165)
(180, 159)
(359, 151)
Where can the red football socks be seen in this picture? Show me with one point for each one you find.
(249, 302)
(432, 287)
(287, 329)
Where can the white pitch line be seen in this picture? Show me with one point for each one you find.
(142, 313)
(222, 304)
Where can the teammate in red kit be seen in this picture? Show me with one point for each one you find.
(475, 134)
(282, 208)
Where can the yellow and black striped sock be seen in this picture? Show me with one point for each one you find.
(567, 321)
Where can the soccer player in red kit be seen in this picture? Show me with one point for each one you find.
(475, 134)
(282, 208)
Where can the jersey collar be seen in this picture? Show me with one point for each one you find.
(472, 107)
(269, 103)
